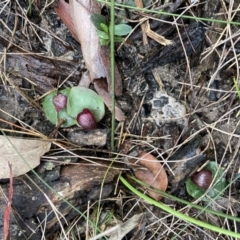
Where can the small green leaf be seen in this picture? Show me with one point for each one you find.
(122, 29)
(218, 185)
(102, 35)
(97, 20)
(80, 98)
(118, 39)
(193, 190)
(104, 28)
(52, 115)
(69, 121)
(104, 42)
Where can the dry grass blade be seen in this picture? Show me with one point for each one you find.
(39, 54)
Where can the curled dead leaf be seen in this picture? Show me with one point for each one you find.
(154, 174)
(76, 16)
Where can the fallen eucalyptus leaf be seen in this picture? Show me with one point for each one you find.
(77, 17)
(96, 57)
(63, 11)
(30, 149)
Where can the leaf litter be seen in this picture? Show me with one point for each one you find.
(18, 150)
(197, 102)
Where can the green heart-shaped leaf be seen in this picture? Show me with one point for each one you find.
(80, 98)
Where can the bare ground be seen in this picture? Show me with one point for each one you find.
(194, 76)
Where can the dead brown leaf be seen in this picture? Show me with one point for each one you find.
(96, 56)
(63, 11)
(76, 15)
(154, 174)
(30, 149)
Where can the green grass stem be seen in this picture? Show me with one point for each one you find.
(171, 14)
(112, 50)
(169, 196)
(178, 214)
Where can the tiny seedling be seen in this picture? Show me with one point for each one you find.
(236, 87)
(102, 26)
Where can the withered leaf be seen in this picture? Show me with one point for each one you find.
(96, 57)
(154, 174)
(30, 149)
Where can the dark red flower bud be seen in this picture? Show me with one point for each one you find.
(60, 102)
(202, 179)
(86, 119)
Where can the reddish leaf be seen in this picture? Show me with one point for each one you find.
(63, 11)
